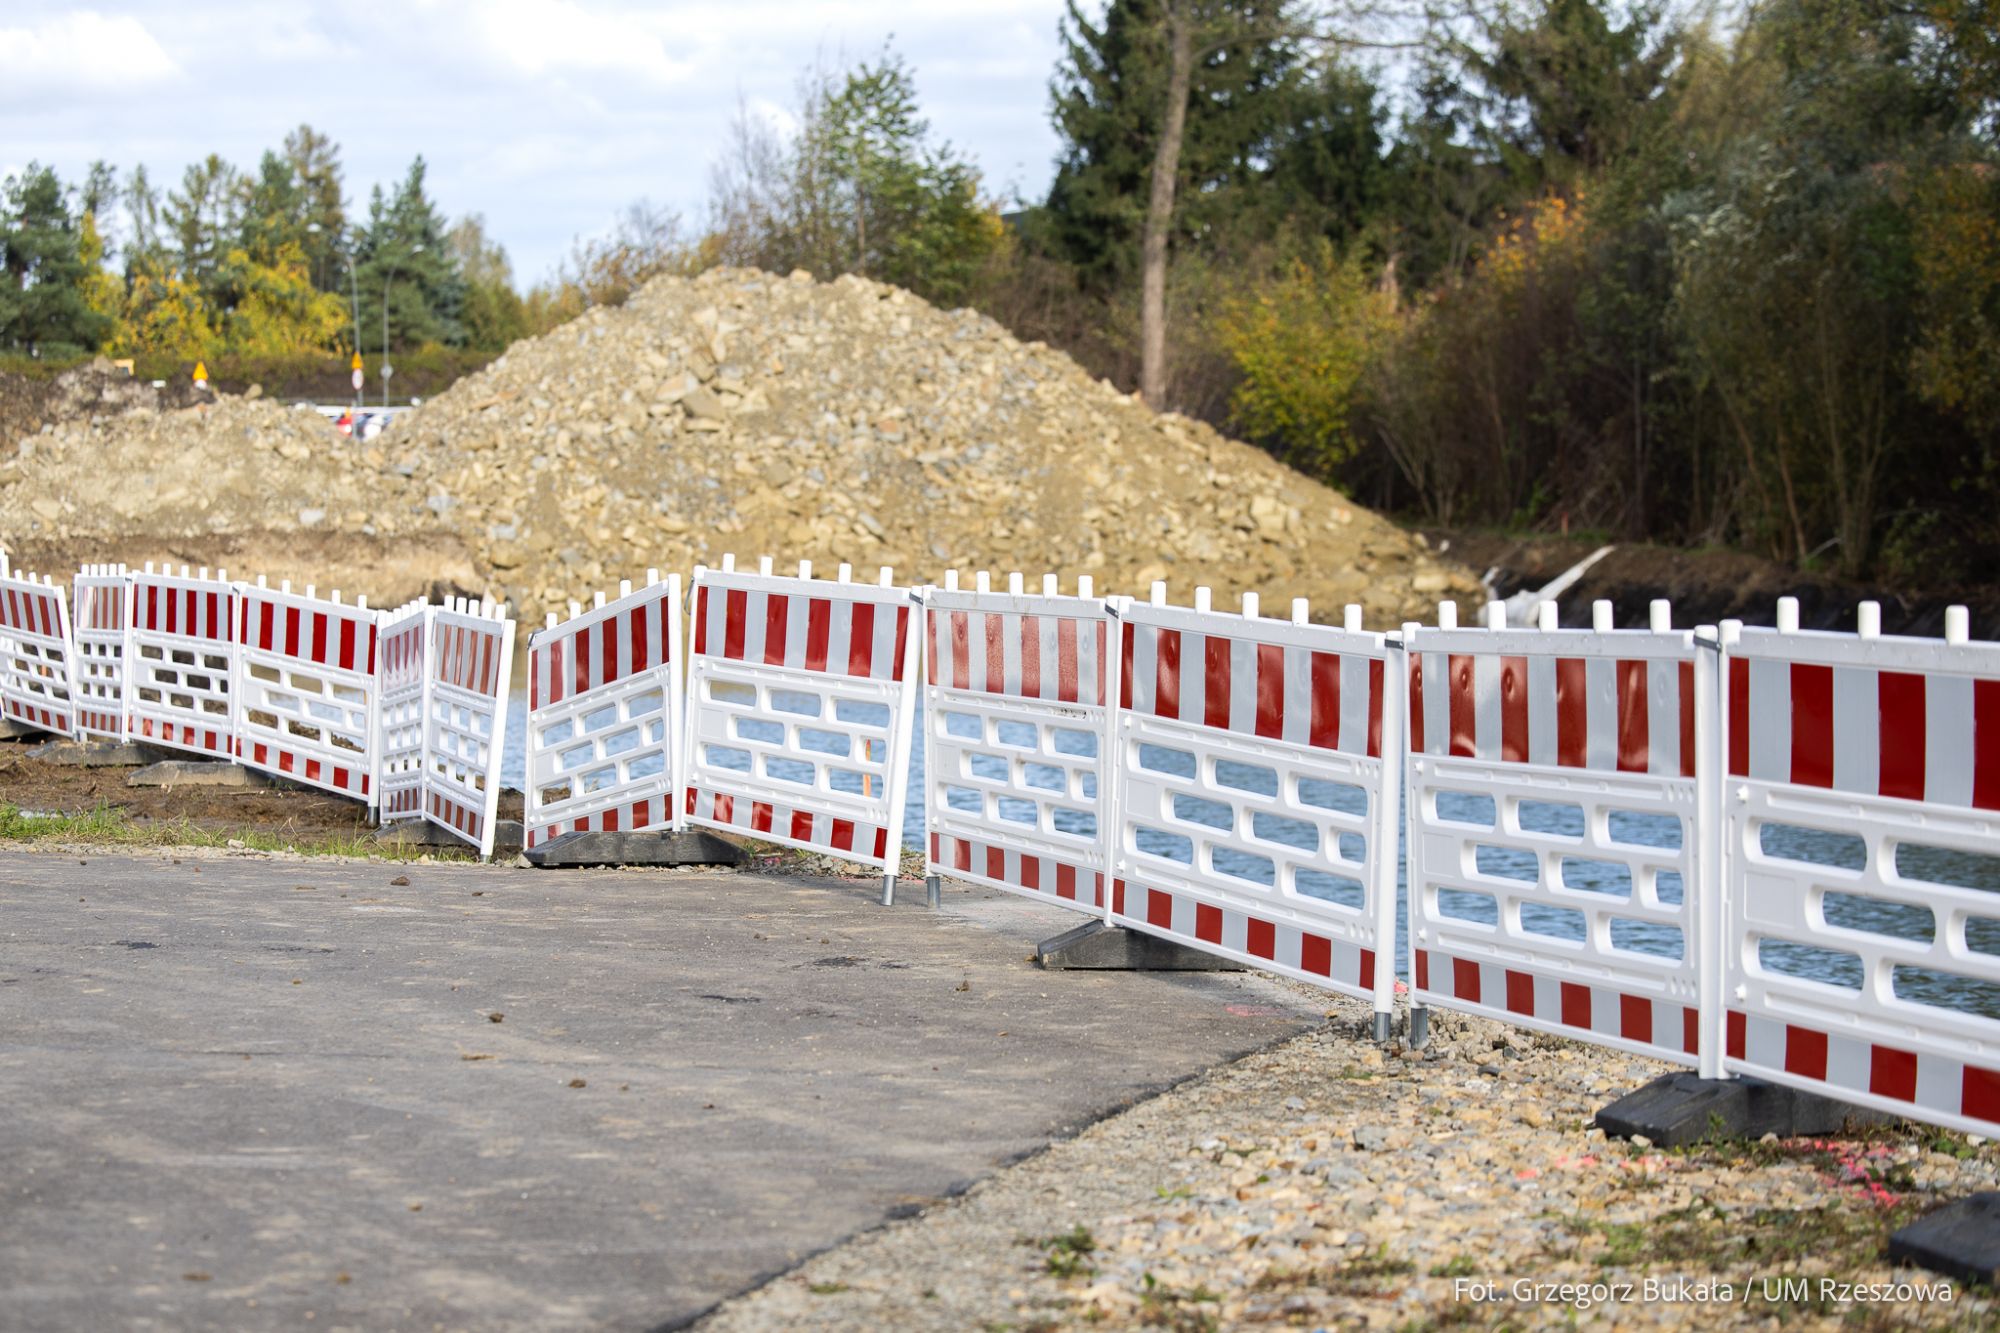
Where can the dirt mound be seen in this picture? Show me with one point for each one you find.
(849, 420)
(744, 412)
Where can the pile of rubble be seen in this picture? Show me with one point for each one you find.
(749, 413)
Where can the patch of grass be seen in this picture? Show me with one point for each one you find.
(1461, 1265)
(1069, 1253)
(827, 1288)
(1161, 1306)
(109, 826)
(1836, 1237)
(1173, 1195)
(1366, 1275)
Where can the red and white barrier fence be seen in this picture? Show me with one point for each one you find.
(801, 697)
(305, 689)
(403, 666)
(1555, 841)
(1019, 696)
(469, 657)
(37, 666)
(182, 661)
(1862, 802)
(102, 625)
(1257, 798)
(604, 716)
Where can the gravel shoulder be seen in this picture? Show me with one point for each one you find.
(1325, 1183)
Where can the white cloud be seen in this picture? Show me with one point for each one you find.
(81, 52)
(542, 37)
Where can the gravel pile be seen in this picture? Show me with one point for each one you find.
(1324, 1184)
(748, 413)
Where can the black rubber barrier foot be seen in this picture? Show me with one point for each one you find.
(691, 847)
(1094, 946)
(1960, 1240)
(1675, 1110)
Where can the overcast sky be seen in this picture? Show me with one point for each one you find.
(547, 116)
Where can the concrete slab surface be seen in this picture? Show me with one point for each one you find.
(246, 1093)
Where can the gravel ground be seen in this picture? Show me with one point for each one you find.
(1327, 1183)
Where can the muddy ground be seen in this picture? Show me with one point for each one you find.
(274, 808)
(1704, 586)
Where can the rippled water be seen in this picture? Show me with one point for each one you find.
(1831, 965)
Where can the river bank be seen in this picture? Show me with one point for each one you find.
(1327, 1183)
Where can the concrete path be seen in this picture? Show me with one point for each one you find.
(245, 1093)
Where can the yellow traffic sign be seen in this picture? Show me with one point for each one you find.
(357, 361)
(201, 372)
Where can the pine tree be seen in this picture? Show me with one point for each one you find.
(403, 252)
(44, 303)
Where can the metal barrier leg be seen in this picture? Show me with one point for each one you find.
(1420, 1028)
(889, 889)
(1382, 1023)
(933, 894)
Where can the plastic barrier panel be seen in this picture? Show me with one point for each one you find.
(403, 670)
(1862, 954)
(182, 662)
(1554, 840)
(1018, 703)
(36, 656)
(465, 710)
(800, 700)
(305, 691)
(604, 716)
(102, 626)
(1256, 811)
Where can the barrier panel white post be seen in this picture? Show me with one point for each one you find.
(1555, 850)
(1019, 698)
(182, 661)
(102, 625)
(1863, 866)
(1257, 791)
(403, 687)
(306, 690)
(801, 695)
(469, 658)
(604, 715)
(37, 656)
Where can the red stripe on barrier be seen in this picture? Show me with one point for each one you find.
(1900, 718)
(725, 809)
(1979, 1094)
(1416, 703)
(1031, 873)
(819, 633)
(1575, 1005)
(1067, 682)
(346, 644)
(1316, 955)
(1634, 713)
(802, 824)
(861, 640)
(1736, 1038)
(777, 616)
(902, 642)
(701, 620)
(1270, 690)
(1167, 673)
(1208, 923)
(961, 651)
(1690, 1031)
(1125, 666)
(291, 631)
(1465, 980)
(996, 652)
(1805, 1049)
(1423, 969)
(760, 816)
(1031, 657)
(1986, 745)
(882, 845)
(319, 638)
(996, 863)
(636, 633)
(843, 834)
(1065, 880)
(173, 612)
(1812, 724)
(1635, 1018)
(1684, 682)
(1739, 717)
(580, 681)
(1572, 712)
(1375, 677)
(735, 610)
(1323, 728)
(1892, 1073)
(1514, 710)
(1520, 993)
(1215, 682)
(267, 626)
(1260, 938)
(1464, 713)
